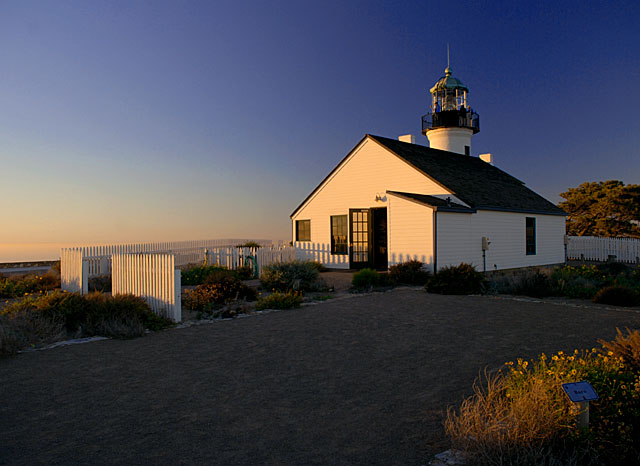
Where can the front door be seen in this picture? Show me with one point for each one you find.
(360, 254)
(379, 228)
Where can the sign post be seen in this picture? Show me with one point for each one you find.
(580, 393)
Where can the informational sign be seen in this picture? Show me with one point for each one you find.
(580, 391)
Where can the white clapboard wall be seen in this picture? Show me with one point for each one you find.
(595, 248)
(151, 276)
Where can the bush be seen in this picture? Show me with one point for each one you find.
(101, 283)
(499, 425)
(220, 276)
(523, 417)
(198, 275)
(536, 285)
(16, 286)
(249, 244)
(614, 269)
(409, 273)
(221, 288)
(285, 276)
(28, 329)
(277, 300)
(617, 296)
(578, 282)
(460, 279)
(35, 320)
(365, 279)
(319, 266)
(626, 347)
(526, 283)
(245, 272)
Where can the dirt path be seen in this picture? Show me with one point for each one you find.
(357, 381)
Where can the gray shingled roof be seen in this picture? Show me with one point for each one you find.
(475, 182)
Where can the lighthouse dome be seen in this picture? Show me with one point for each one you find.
(448, 82)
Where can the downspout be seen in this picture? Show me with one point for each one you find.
(435, 240)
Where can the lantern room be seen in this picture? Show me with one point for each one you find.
(451, 122)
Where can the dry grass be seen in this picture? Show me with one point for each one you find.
(506, 425)
(625, 346)
(26, 330)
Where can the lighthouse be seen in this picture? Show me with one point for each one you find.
(451, 122)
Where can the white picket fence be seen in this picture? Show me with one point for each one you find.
(151, 276)
(79, 264)
(186, 252)
(595, 248)
(74, 271)
(232, 258)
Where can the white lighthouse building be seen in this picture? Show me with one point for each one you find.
(389, 201)
(451, 122)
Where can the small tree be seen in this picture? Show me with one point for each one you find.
(605, 208)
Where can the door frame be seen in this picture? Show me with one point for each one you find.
(369, 262)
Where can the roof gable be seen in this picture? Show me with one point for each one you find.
(370, 167)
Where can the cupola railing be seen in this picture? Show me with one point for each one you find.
(451, 119)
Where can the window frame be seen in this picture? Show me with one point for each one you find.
(344, 250)
(530, 236)
(299, 230)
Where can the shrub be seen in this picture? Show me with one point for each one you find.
(28, 329)
(319, 266)
(35, 320)
(245, 272)
(578, 282)
(613, 269)
(16, 286)
(536, 285)
(249, 244)
(101, 283)
(285, 276)
(365, 279)
(197, 275)
(220, 276)
(626, 347)
(55, 268)
(409, 273)
(459, 279)
(522, 417)
(500, 425)
(220, 289)
(278, 300)
(617, 296)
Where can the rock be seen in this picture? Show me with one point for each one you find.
(449, 458)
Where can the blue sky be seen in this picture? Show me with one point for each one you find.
(130, 121)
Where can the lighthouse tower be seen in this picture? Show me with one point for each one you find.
(451, 122)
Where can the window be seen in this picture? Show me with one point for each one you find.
(303, 230)
(339, 234)
(531, 236)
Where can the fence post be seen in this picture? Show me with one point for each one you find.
(84, 277)
(177, 307)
